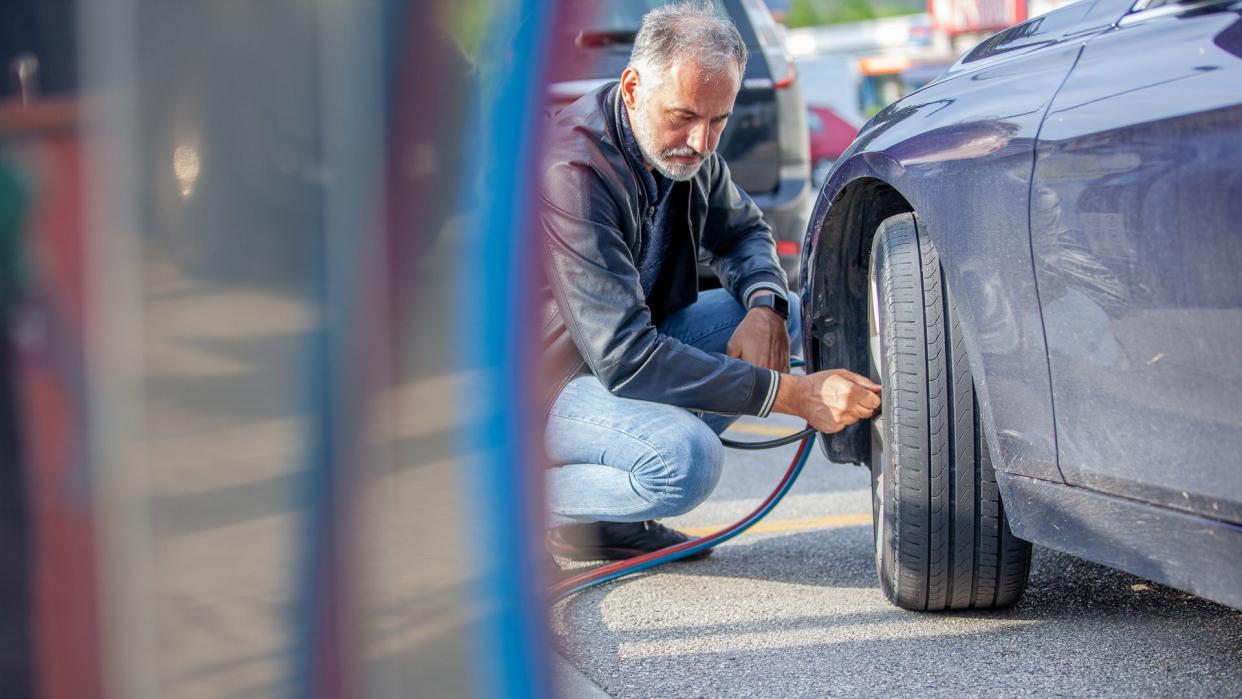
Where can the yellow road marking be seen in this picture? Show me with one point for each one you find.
(849, 519)
(765, 430)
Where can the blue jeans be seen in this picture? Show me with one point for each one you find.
(622, 460)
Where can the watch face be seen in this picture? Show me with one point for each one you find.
(781, 305)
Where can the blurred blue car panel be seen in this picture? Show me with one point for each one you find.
(1063, 208)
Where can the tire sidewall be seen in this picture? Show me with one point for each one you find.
(884, 502)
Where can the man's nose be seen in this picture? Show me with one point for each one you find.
(699, 137)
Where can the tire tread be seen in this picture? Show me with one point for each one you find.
(951, 546)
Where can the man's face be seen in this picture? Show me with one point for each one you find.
(678, 121)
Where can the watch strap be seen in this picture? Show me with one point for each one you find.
(774, 301)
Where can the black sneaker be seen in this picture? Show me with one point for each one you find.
(614, 541)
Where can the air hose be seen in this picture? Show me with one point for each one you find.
(613, 571)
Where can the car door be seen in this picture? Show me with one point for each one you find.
(1135, 213)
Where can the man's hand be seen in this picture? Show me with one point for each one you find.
(761, 339)
(830, 400)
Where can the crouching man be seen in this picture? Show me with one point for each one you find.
(648, 370)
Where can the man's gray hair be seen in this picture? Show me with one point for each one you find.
(686, 30)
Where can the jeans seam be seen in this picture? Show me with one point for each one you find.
(658, 499)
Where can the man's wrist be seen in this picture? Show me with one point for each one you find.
(762, 287)
(767, 312)
(788, 395)
(770, 300)
(749, 303)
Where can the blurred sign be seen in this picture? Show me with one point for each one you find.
(967, 16)
(886, 64)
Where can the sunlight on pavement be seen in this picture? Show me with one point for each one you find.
(827, 632)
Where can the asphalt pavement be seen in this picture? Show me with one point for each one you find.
(793, 609)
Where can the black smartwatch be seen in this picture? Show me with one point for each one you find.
(775, 301)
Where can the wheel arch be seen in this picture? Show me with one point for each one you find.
(835, 291)
(834, 297)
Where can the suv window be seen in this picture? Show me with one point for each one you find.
(765, 27)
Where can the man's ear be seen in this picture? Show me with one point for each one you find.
(629, 86)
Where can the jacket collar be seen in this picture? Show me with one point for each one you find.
(633, 157)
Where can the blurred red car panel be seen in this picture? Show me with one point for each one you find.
(831, 134)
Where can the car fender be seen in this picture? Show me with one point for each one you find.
(959, 153)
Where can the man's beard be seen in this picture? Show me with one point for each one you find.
(678, 172)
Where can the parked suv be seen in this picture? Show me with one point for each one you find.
(765, 143)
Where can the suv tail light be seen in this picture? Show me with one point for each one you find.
(784, 71)
(772, 39)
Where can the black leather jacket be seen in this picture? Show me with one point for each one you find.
(594, 316)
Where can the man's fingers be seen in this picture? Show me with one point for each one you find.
(869, 400)
(848, 419)
(858, 379)
(774, 363)
(863, 412)
(860, 403)
(866, 402)
(865, 382)
(781, 357)
(856, 412)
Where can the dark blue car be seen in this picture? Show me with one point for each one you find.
(1039, 255)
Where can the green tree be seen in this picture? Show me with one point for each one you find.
(807, 13)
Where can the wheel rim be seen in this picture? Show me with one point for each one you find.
(875, 352)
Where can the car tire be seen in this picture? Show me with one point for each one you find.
(942, 538)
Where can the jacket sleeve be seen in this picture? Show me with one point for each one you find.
(595, 285)
(737, 242)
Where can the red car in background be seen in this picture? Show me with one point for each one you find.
(831, 134)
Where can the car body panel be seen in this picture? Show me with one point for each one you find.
(1161, 544)
(1083, 191)
(976, 126)
(1137, 198)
